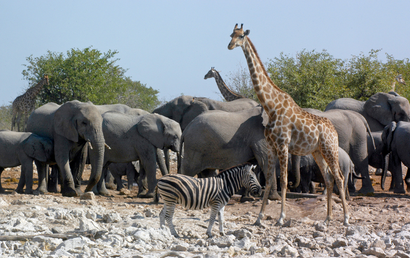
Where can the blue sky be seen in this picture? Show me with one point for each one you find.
(171, 45)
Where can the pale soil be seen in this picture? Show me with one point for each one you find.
(381, 212)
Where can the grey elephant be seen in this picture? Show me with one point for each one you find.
(219, 140)
(396, 150)
(73, 127)
(136, 137)
(128, 169)
(310, 172)
(353, 130)
(22, 148)
(185, 108)
(379, 110)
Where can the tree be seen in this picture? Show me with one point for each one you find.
(85, 75)
(138, 95)
(313, 79)
(240, 82)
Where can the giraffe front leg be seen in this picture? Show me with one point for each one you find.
(269, 183)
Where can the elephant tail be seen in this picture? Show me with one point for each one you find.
(156, 196)
(180, 154)
(366, 124)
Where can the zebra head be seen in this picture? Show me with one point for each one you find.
(249, 180)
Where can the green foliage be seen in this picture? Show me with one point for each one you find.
(138, 95)
(241, 83)
(86, 75)
(314, 79)
(5, 117)
(310, 78)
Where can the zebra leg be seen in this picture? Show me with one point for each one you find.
(221, 221)
(169, 213)
(214, 212)
(162, 216)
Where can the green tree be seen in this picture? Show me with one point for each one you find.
(313, 79)
(240, 82)
(86, 75)
(138, 95)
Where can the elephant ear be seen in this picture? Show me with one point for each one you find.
(387, 136)
(196, 108)
(39, 148)
(379, 108)
(151, 128)
(65, 123)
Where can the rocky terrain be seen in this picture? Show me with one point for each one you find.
(125, 226)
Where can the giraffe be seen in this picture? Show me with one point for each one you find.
(398, 79)
(227, 93)
(290, 129)
(25, 104)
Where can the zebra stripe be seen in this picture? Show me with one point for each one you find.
(199, 193)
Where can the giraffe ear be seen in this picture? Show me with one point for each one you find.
(247, 32)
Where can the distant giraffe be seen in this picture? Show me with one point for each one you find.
(227, 93)
(291, 129)
(24, 104)
(398, 79)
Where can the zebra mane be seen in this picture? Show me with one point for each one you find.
(231, 170)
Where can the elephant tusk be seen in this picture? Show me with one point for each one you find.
(91, 146)
(108, 147)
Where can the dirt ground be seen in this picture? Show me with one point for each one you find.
(374, 210)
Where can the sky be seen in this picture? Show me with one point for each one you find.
(171, 45)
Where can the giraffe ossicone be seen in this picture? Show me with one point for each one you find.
(291, 129)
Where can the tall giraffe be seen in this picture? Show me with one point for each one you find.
(227, 93)
(291, 129)
(25, 104)
(398, 79)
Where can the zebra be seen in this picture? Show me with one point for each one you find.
(200, 193)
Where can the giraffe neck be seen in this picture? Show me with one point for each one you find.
(33, 91)
(227, 93)
(265, 89)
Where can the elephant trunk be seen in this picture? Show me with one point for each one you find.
(96, 159)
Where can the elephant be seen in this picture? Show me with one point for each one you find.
(379, 110)
(353, 130)
(136, 137)
(22, 148)
(310, 172)
(396, 150)
(219, 140)
(73, 127)
(184, 109)
(120, 169)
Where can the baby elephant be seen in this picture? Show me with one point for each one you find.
(120, 169)
(22, 148)
(200, 193)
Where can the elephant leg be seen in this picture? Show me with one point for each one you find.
(52, 184)
(150, 177)
(77, 166)
(100, 188)
(110, 182)
(27, 173)
(362, 168)
(397, 174)
(142, 182)
(131, 173)
(22, 182)
(62, 160)
(42, 169)
(1, 187)
(407, 180)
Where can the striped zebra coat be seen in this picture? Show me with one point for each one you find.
(200, 193)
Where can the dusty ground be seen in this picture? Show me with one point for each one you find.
(380, 212)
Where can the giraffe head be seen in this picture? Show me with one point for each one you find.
(400, 79)
(46, 78)
(238, 37)
(210, 74)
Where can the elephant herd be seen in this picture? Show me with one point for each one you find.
(208, 135)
